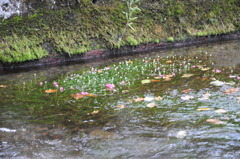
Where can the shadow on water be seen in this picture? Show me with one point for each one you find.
(180, 103)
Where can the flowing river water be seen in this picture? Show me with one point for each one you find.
(179, 103)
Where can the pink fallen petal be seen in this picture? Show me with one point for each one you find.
(107, 68)
(218, 71)
(231, 76)
(61, 89)
(123, 82)
(110, 86)
(41, 83)
(55, 84)
(84, 93)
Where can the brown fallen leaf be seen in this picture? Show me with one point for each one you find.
(77, 96)
(187, 91)
(167, 79)
(168, 76)
(205, 69)
(90, 95)
(204, 78)
(187, 75)
(155, 80)
(139, 99)
(129, 61)
(50, 91)
(198, 77)
(3, 86)
(215, 121)
(231, 91)
(121, 106)
(203, 109)
(169, 62)
(158, 98)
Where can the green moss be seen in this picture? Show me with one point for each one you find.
(131, 41)
(201, 33)
(70, 43)
(89, 26)
(170, 39)
(19, 49)
(156, 41)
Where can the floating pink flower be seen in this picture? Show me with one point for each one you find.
(231, 76)
(146, 61)
(92, 69)
(161, 76)
(218, 71)
(41, 83)
(84, 93)
(55, 84)
(193, 66)
(238, 78)
(107, 68)
(122, 83)
(61, 89)
(110, 87)
(174, 74)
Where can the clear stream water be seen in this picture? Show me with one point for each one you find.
(181, 117)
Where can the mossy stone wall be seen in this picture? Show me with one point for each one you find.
(89, 26)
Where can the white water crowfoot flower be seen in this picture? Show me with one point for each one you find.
(187, 97)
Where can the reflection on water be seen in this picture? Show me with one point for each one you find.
(175, 127)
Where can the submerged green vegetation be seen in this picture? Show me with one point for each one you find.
(156, 88)
(109, 25)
